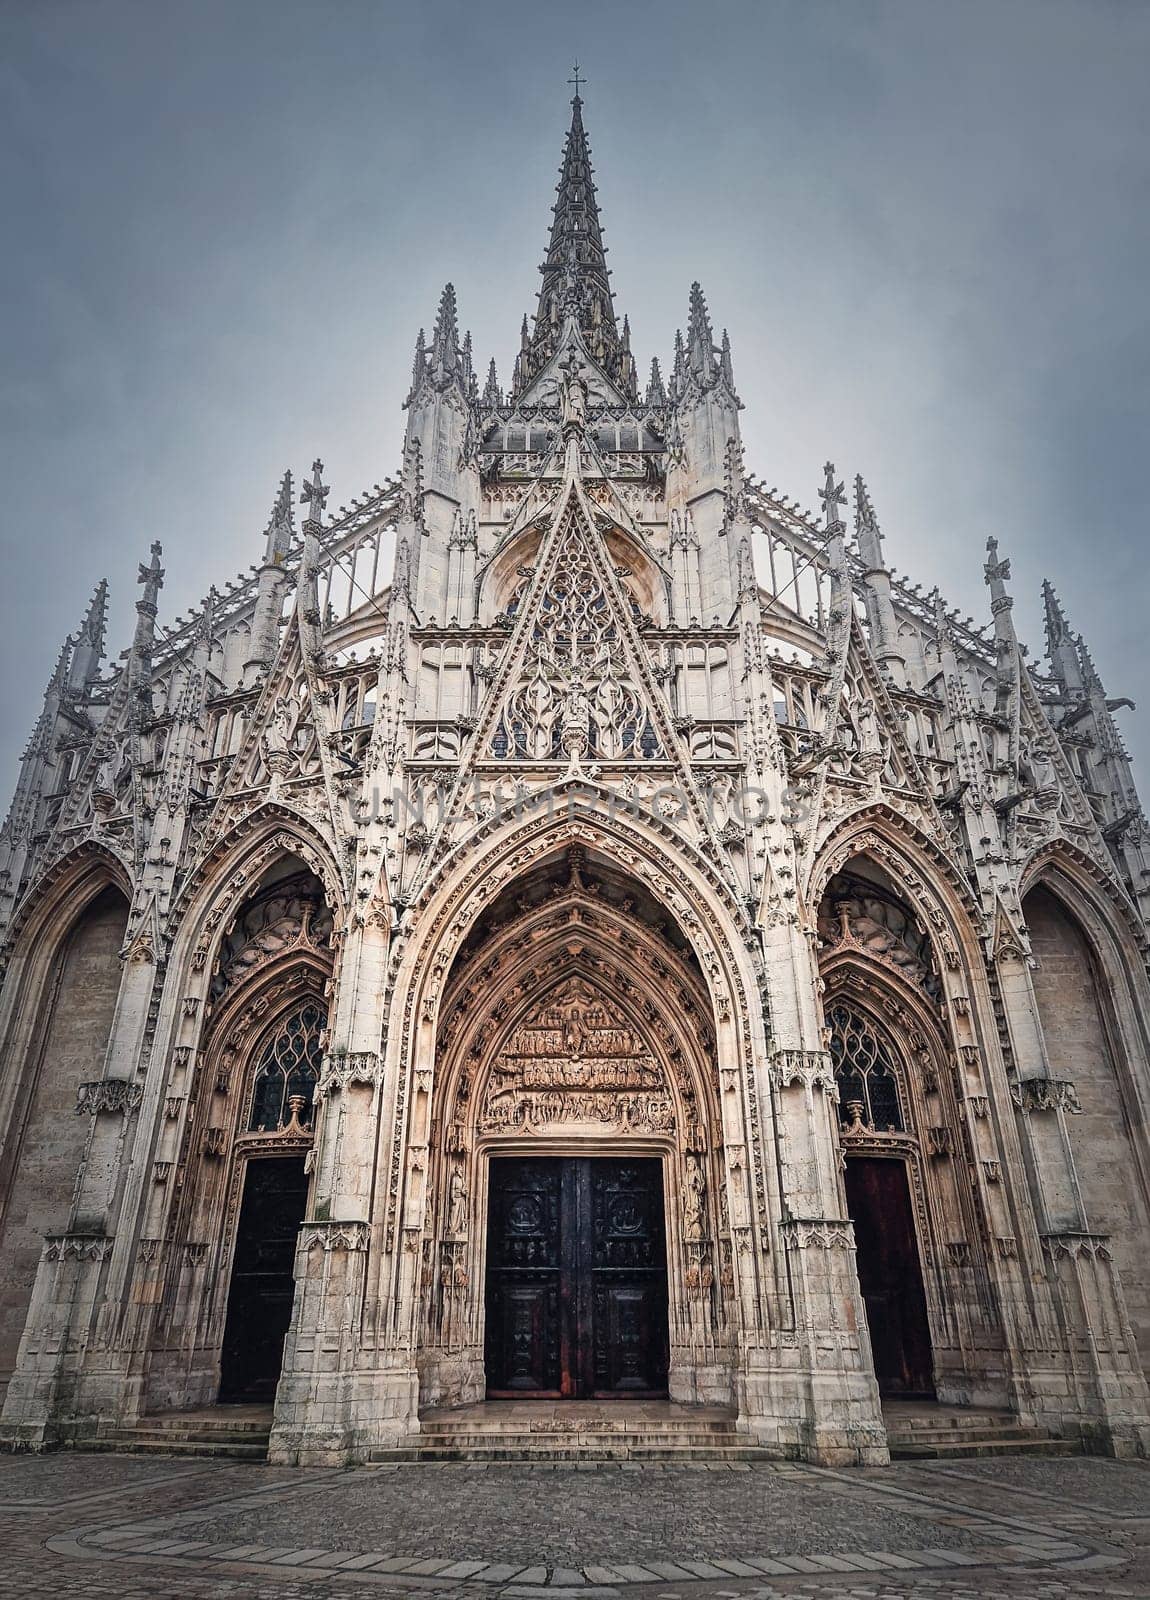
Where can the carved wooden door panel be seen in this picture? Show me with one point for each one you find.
(262, 1286)
(628, 1278)
(890, 1276)
(576, 1279)
(525, 1322)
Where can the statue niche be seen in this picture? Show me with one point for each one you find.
(576, 1060)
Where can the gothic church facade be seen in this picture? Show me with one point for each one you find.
(573, 924)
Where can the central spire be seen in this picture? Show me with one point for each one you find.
(576, 287)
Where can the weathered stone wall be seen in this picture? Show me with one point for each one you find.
(67, 1049)
(1066, 984)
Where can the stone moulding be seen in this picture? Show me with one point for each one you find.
(821, 1233)
(107, 1094)
(1047, 1094)
(327, 1236)
(77, 1247)
(810, 1069)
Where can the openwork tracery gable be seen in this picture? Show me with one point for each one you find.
(575, 694)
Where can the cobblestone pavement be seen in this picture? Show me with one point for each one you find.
(159, 1528)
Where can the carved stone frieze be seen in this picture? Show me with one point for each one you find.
(1074, 1246)
(107, 1094)
(819, 1233)
(328, 1236)
(340, 1072)
(1047, 1094)
(77, 1247)
(810, 1069)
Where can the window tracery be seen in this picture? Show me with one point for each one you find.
(865, 1072)
(288, 1071)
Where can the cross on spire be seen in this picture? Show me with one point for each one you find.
(576, 79)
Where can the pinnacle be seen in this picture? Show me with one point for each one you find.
(92, 627)
(280, 529)
(656, 394)
(700, 336)
(491, 394)
(867, 530)
(445, 351)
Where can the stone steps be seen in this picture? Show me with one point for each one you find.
(955, 1450)
(173, 1444)
(681, 1439)
(244, 1442)
(580, 1447)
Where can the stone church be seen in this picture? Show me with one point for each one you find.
(575, 926)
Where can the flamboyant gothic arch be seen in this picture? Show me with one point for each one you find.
(264, 980)
(54, 1056)
(576, 1019)
(902, 1104)
(1093, 1031)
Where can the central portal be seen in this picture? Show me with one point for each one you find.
(576, 1279)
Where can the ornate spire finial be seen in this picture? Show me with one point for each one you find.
(832, 497)
(577, 81)
(315, 494)
(996, 572)
(151, 575)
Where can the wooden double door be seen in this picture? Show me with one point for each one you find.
(576, 1279)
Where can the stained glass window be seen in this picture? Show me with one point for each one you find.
(868, 1083)
(289, 1066)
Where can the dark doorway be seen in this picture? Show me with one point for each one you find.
(260, 1297)
(890, 1275)
(576, 1279)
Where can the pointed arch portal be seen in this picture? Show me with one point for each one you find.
(576, 1149)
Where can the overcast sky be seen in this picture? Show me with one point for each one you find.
(925, 224)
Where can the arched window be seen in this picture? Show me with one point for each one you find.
(864, 1071)
(288, 1067)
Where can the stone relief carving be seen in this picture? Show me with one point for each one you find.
(107, 1094)
(576, 1060)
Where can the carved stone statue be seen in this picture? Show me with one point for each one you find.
(694, 1201)
(457, 1205)
(573, 396)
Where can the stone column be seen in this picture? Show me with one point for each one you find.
(820, 1386)
(340, 1394)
